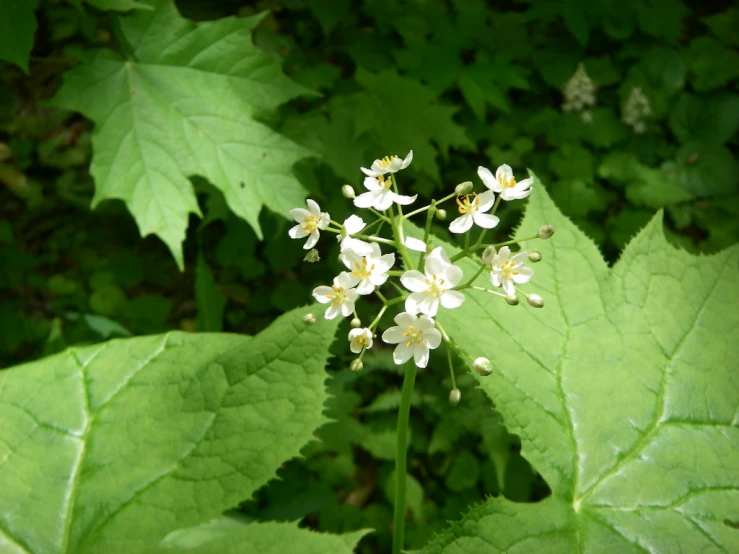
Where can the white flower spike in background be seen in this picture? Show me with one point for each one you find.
(434, 288)
(370, 271)
(504, 183)
(309, 222)
(473, 211)
(507, 272)
(340, 297)
(360, 339)
(415, 337)
(388, 164)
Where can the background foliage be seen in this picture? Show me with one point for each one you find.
(332, 86)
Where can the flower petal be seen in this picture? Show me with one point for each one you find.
(420, 355)
(324, 220)
(358, 247)
(488, 179)
(509, 287)
(298, 214)
(402, 353)
(504, 172)
(413, 302)
(462, 224)
(404, 319)
(312, 240)
(297, 232)
(383, 200)
(321, 294)
(370, 172)
(485, 200)
(524, 275)
(353, 224)
(394, 335)
(486, 221)
(453, 275)
(452, 299)
(414, 281)
(314, 208)
(414, 244)
(403, 200)
(407, 161)
(433, 338)
(366, 199)
(332, 311)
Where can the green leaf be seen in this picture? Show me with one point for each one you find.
(623, 389)
(706, 169)
(712, 64)
(576, 23)
(117, 5)
(154, 434)
(725, 25)
(713, 117)
(17, 30)
(405, 115)
(662, 18)
(330, 15)
(211, 301)
(184, 105)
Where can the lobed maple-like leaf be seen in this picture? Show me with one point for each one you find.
(115, 447)
(624, 390)
(183, 103)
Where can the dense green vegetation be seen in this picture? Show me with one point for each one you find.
(119, 217)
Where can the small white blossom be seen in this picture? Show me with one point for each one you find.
(388, 164)
(309, 222)
(504, 183)
(353, 225)
(636, 109)
(474, 212)
(340, 297)
(380, 195)
(368, 271)
(507, 271)
(360, 339)
(433, 288)
(415, 337)
(578, 91)
(414, 244)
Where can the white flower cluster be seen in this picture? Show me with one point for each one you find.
(579, 94)
(636, 109)
(432, 283)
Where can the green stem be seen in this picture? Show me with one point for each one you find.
(514, 241)
(401, 457)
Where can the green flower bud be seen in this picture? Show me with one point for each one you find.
(348, 192)
(440, 215)
(356, 323)
(455, 395)
(356, 366)
(312, 256)
(534, 257)
(488, 254)
(482, 366)
(535, 301)
(546, 231)
(309, 319)
(512, 300)
(463, 188)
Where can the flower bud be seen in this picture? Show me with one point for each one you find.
(535, 301)
(309, 319)
(512, 300)
(463, 188)
(546, 231)
(356, 323)
(356, 366)
(455, 395)
(482, 366)
(312, 256)
(440, 215)
(534, 257)
(348, 192)
(488, 254)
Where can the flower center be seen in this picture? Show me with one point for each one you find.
(414, 335)
(436, 286)
(507, 271)
(361, 340)
(384, 162)
(362, 270)
(309, 223)
(338, 296)
(507, 183)
(467, 207)
(383, 183)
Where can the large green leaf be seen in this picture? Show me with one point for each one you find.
(624, 391)
(183, 104)
(17, 30)
(110, 448)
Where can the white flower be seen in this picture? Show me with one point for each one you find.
(474, 212)
(415, 244)
(369, 271)
(352, 225)
(504, 183)
(359, 339)
(432, 289)
(340, 296)
(380, 197)
(506, 271)
(309, 222)
(415, 336)
(388, 164)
